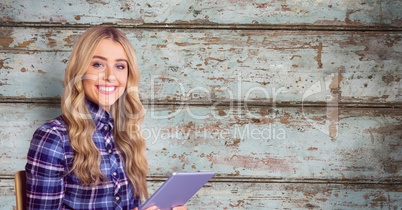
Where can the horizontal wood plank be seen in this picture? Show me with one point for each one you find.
(225, 195)
(141, 12)
(255, 142)
(209, 65)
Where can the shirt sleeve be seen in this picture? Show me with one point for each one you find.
(45, 170)
(136, 202)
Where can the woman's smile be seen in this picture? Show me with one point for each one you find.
(107, 89)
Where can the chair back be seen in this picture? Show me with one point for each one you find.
(20, 189)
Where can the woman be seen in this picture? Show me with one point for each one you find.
(93, 155)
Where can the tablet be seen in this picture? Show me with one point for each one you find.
(177, 190)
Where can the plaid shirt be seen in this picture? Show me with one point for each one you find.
(50, 157)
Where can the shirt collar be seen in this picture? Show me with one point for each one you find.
(99, 115)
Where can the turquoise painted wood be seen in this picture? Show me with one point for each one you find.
(209, 66)
(295, 104)
(241, 142)
(203, 12)
(243, 195)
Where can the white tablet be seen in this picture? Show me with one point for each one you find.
(177, 190)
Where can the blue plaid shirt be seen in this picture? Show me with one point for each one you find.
(50, 157)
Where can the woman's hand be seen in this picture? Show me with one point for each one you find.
(180, 208)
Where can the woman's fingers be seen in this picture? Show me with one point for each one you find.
(153, 208)
(180, 208)
(156, 208)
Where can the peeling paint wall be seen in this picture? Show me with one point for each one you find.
(294, 104)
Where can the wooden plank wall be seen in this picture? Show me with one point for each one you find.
(294, 104)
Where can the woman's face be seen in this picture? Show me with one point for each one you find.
(106, 77)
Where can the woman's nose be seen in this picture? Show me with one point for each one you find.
(110, 78)
(108, 75)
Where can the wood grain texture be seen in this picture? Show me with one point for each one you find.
(235, 195)
(202, 12)
(209, 65)
(240, 142)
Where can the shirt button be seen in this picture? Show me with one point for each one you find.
(110, 151)
(114, 173)
(117, 198)
(105, 127)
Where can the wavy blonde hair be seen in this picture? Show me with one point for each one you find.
(128, 113)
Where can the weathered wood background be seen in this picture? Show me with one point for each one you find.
(294, 104)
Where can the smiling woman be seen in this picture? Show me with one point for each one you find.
(93, 155)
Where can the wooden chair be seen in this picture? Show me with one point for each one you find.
(20, 188)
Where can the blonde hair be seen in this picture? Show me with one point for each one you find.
(127, 112)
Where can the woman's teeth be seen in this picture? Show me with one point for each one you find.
(106, 89)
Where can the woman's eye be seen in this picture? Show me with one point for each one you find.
(121, 67)
(97, 65)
